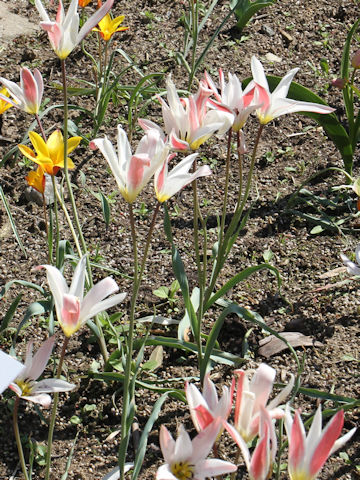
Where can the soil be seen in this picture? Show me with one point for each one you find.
(288, 34)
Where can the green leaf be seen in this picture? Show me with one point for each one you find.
(10, 313)
(12, 222)
(161, 292)
(23, 283)
(245, 9)
(145, 435)
(316, 230)
(105, 209)
(240, 277)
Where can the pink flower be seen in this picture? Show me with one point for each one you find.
(232, 98)
(188, 121)
(133, 171)
(64, 34)
(72, 309)
(26, 385)
(254, 395)
(29, 94)
(275, 104)
(168, 184)
(259, 465)
(186, 459)
(307, 455)
(206, 407)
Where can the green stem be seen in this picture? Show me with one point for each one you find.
(69, 222)
(130, 342)
(240, 163)
(57, 234)
(54, 410)
(226, 189)
(194, 30)
(67, 176)
(223, 248)
(200, 271)
(40, 126)
(18, 439)
(50, 260)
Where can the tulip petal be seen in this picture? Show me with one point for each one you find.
(326, 443)
(167, 444)
(78, 280)
(52, 385)
(41, 358)
(98, 292)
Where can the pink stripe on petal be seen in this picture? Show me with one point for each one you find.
(262, 97)
(296, 444)
(329, 436)
(203, 416)
(70, 312)
(136, 171)
(29, 86)
(260, 459)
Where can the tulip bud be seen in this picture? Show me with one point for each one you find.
(339, 83)
(355, 61)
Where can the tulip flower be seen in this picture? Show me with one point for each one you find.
(275, 104)
(352, 268)
(188, 122)
(49, 155)
(108, 26)
(26, 385)
(355, 61)
(307, 455)
(259, 465)
(72, 309)
(64, 34)
(167, 184)
(29, 94)
(206, 407)
(232, 98)
(10, 369)
(4, 104)
(84, 3)
(186, 459)
(252, 396)
(133, 172)
(36, 179)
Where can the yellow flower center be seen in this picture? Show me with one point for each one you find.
(182, 470)
(26, 387)
(299, 475)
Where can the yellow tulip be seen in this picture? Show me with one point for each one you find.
(49, 155)
(108, 26)
(36, 179)
(4, 105)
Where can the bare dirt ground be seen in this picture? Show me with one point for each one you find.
(295, 34)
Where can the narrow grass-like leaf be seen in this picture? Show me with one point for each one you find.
(10, 313)
(36, 308)
(69, 458)
(12, 222)
(23, 283)
(185, 321)
(240, 277)
(140, 454)
(105, 207)
(180, 275)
